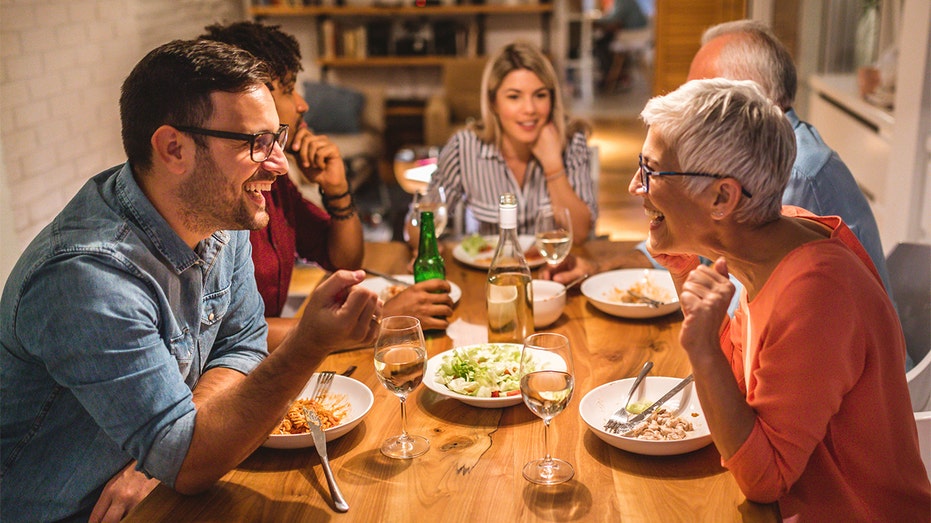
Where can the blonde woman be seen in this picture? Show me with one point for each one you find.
(524, 144)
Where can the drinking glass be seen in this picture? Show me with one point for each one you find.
(432, 199)
(546, 384)
(400, 360)
(553, 233)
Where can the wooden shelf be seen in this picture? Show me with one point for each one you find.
(387, 61)
(464, 10)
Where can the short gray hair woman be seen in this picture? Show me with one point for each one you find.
(803, 388)
(691, 117)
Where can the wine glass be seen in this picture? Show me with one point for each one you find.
(400, 360)
(553, 234)
(431, 199)
(546, 384)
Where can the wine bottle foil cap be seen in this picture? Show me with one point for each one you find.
(507, 211)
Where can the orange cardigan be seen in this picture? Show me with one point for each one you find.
(835, 436)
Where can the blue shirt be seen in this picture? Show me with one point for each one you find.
(107, 322)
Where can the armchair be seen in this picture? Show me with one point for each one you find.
(457, 103)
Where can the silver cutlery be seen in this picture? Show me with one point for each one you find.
(618, 426)
(322, 387)
(339, 503)
(391, 279)
(643, 374)
(644, 299)
(349, 370)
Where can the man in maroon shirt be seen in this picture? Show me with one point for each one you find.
(330, 237)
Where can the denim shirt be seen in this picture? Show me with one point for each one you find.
(107, 322)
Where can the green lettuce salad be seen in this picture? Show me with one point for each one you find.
(488, 370)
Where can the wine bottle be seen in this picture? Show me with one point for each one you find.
(429, 264)
(509, 293)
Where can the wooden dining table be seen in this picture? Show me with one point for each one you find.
(472, 472)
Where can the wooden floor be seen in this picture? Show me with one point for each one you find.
(619, 134)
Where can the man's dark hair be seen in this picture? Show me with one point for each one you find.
(267, 42)
(172, 85)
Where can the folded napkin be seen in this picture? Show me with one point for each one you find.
(465, 333)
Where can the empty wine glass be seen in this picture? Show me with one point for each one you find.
(553, 233)
(400, 360)
(431, 199)
(546, 384)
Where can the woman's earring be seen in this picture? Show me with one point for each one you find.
(718, 214)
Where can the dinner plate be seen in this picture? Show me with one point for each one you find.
(378, 285)
(551, 361)
(602, 291)
(482, 260)
(343, 389)
(600, 403)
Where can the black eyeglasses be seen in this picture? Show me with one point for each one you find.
(260, 144)
(645, 174)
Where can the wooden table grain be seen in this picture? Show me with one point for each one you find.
(472, 472)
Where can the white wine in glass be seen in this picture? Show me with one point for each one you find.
(553, 234)
(546, 384)
(400, 361)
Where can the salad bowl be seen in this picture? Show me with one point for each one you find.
(496, 367)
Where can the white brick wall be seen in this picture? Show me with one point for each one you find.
(61, 66)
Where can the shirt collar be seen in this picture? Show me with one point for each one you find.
(163, 237)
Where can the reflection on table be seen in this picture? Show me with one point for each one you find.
(472, 471)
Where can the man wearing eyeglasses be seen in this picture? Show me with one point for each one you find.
(332, 239)
(132, 339)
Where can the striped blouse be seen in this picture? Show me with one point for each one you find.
(474, 174)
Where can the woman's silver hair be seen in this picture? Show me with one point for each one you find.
(730, 128)
(512, 57)
(754, 53)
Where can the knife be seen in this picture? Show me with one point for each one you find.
(339, 503)
(391, 279)
(656, 404)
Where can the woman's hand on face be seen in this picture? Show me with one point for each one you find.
(547, 149)
(705, 297)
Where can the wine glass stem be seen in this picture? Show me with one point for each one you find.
(403, 418)
(546, 440)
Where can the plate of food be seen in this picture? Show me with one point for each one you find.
(677, 427)
(627, 293)
(476, 251)
(482, 375)
(387, 290)
(343, 407)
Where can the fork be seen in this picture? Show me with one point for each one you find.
(649, 301)
(619, 427)
(615, 420)
(322, 387)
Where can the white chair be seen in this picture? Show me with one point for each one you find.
(909, 267)
(923, 420)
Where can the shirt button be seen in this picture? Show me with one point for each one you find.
(210, 316)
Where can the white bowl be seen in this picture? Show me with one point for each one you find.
(601, 290)
(360, 400)
(549, 299)
(600, 403)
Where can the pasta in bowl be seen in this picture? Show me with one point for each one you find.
(610, 292)
(344, 407)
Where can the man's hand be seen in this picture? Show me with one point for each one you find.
(428, 301)
(123, 492)
(571, 268)
(340, 314)
(320, 161)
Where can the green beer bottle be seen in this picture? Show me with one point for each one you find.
(429, 264)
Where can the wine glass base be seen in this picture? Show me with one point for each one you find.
(552, 472)
(405, 446)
